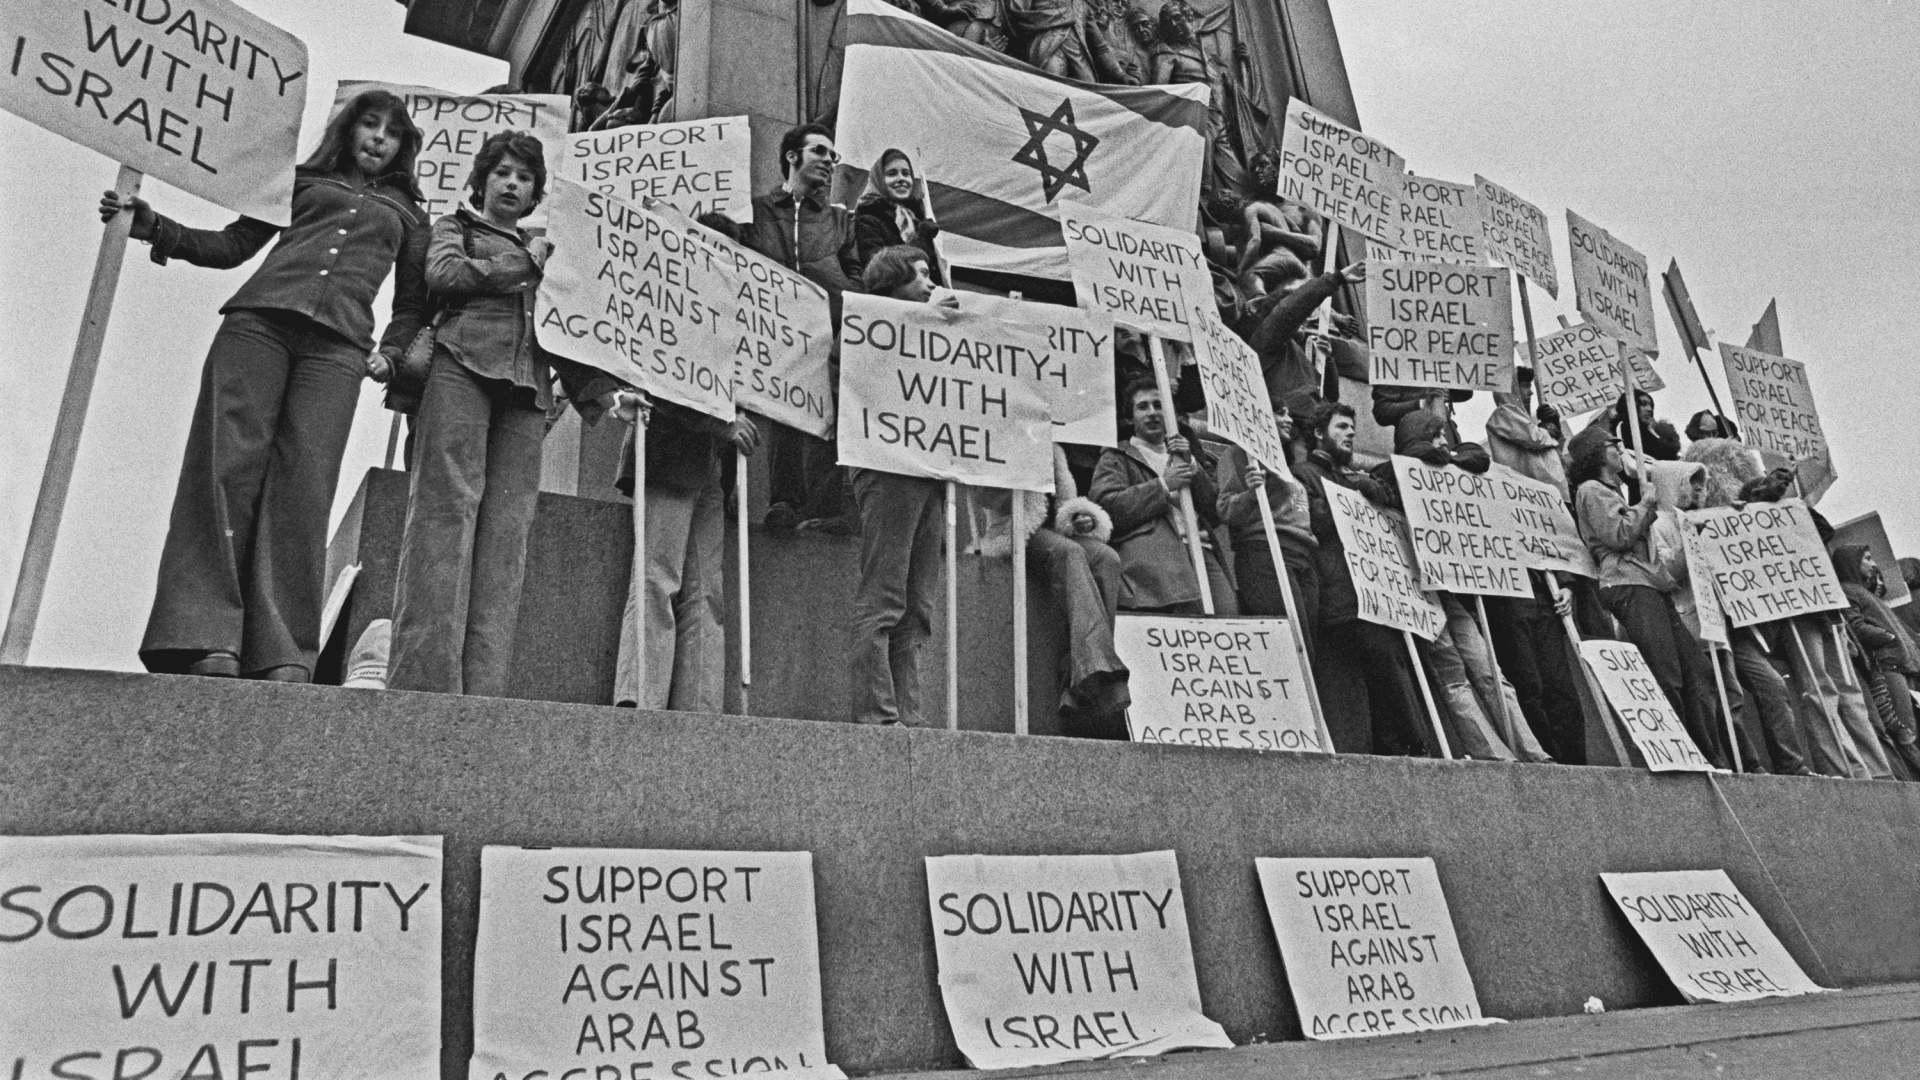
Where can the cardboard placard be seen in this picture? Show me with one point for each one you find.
(1150, 278)
(929, 391)
(1651, 720)
(695, 166)
(1369, 946)
(1767, 559)
(1707, 608)
(1867, 529)
(1379, 553)
(203, 94)
(1463, 536)
(1440, 222)
(1516, 232)
(1611, 285)
(1430, 324)
(1578, 370)
(1231, 684)
(1238, 406)
(1773, 403)
(699, 963)
(1349, 177)
(221, 955)
(1076, 375)
(1052, 958)
(1707, 936)
(1544, 528)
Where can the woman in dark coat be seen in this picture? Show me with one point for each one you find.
(890, 213)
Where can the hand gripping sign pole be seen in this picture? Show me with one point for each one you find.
(44, 531)
(1293, 615)
(1158, 354)
(746, 576)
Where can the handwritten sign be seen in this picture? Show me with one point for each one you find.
(1369, 946)
(454, 126)
(1578, 370)
(1052, 958)
(1516, 233)
(697, 963)
(1610, 285)
(1150, 278)
(1774, 402)
(1440, 222)
(1707, 608)
(220, 955)
(1076, 375)
(1462, 531)
(1238, 406)
(1232, 684)
(1643, 707)
(1767, 559)
(1444, 326)
(1379, 553)
(1707, 936)
(200, 93)
(1349, 177)
(1542, 526)
(695, 166)
(929, 391)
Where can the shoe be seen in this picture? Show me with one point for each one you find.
(216, 664)
(781, 517)
(288, 673)
(830, 526)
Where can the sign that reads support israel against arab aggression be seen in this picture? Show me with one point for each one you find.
(1542, 526)
(1516, 233)
(1052, 958)
(269, 957)
(1707, 936)
(1238, 407)
(1148, 277)
(695, 166)
(1076, 374)
(1577, 370)
(1232, 684)
(1767, 559)
(200, 93)
(1349, 177)
(1775, 403)
(929, 391)
(454, 126)
(1611, 284)
(605, 961)
(1462, 533)
(1369, 946)
(1644, 710)
(1379, 554)
(1442, 326)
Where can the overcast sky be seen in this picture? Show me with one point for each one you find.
(1771, 147)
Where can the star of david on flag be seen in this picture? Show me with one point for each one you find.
(1034, 153)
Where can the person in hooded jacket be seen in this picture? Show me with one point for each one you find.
(1891, 652)
(1518, 439)
(889, 213)
(1663, 442)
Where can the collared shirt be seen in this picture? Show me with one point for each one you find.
(486, 279)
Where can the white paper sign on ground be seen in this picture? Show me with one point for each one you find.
(1233, 684)
(1052, 958)
(220, 955)
(1611, 284)
(697, 963)
(1767, 560)
(1076, 375)
(1351, 178)
(1774, 403)
(455, 125)
(1644, 710)
(1463, 536)
(1379, 553)
(1148, 277)
(695, 166)
(629, 293)
(1707, 936)
(1239, 408)
(1369, 946)
(929, 391)
(1431, 324)
(1543, 526)
(1516, 233)
(1578, 370)
(200, 93)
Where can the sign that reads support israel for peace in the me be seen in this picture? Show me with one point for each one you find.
(1775, 404)
(1076, 374)
(1577, 370)
(454, 126)
(627, 292)
(1707, 936)
(1148, 277)
(226, 955)
(1369, 946)
(1347, 176)
(604, 961)
(1379, 553)
(1611, 285)
(1541, 523)
(1516, 233)
(1462, 533)
(1233, 684)
(200, 93)
(1650, 719)
(929, 391)
(1238, 408)
(695, 166)
(1052, 958)
(1440, 222)
(1430, 324)
(1767, 559)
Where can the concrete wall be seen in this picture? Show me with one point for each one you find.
(1518, 846)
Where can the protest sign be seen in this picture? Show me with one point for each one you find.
(1369, 946)
(1644, 710)
(1076, 377)
(926, 390)
(453, 126)
(629, 293)
(200, 93)
(1774, 403)
(220, 955)
(695, 166)
(1051, 958)
(1439, 222)
(1444, 326)
(1379, 552)
(1516, 232)
(1463, 536)
(1707, 608)
(1353, 179)
(1577, 370)
(1148, 277)
(1541, 523)
(1707, 936)
(594, 960)
(1238, 407)
(1234, 684)
(1867, 529)
(1680, 307)
(1610, 285)
(1767, 559)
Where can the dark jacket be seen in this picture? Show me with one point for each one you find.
(1881, 634)
(1292, 383)
(810, 236)
(874, 228)
(330, 261)
(683, 449)
(1338, 602)
(1414, 435)
(1154, 558)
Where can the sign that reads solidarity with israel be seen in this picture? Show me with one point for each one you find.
(1542, 526)
(1150, 278)
(1463, 535)
(1707, 936)
(695, 166)
(1076, 375)
(1441, 326)
(1233, 684)
(1379, 554)
(1767, 559)
(1650, 719)
(453, 126)
(1517, 234)
(1610, 285)
(1351, 178)
(1577, 370)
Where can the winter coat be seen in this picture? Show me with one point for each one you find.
(1617, 535)
(1519, 441)
(875, 227)
(1338, 601)
(1153, 556)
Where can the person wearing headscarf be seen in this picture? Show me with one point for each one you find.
(890, 212)
(1891, 651)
